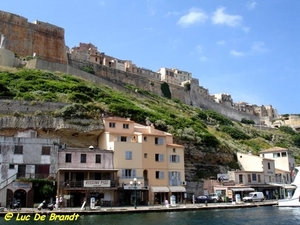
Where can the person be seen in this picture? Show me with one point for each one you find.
(167, 203)
(60, 201)
(56, 202)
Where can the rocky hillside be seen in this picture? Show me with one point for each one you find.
(210, 139)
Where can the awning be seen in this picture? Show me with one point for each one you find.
(160, 189)
(242, 189)
(289, 187)
(177, 189)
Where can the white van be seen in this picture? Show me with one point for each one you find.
(254, 197)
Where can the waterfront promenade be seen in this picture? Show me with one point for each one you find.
(140, 209)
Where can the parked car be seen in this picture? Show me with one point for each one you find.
(215, 197)
(254, 196)
(203, 199)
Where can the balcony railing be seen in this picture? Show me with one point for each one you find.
(36, 175)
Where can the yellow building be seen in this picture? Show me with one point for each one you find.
(147, 154)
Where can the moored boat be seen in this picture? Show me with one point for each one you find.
(294, 201)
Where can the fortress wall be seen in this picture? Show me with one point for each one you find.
(24, 38)
(118, 79)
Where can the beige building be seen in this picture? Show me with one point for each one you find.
(147, 154)
(174, 76)
(84, 174)
(284, 163)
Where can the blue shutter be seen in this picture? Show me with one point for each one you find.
(123, 173)
(179, 178)
(161, 157)
(178, 158)
(170, 178)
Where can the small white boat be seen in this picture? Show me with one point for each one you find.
(294, 201)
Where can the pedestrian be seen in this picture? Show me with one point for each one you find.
(60, 201)
(56, 202)
(167, 203)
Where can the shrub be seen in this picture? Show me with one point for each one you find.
(287, 130)
(234, 133)
(246, 121)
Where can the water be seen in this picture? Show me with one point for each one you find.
(244, 216)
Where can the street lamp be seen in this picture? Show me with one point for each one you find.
(135, 183)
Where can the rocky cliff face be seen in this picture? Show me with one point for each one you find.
(73, 132)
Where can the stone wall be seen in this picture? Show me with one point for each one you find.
(24, 38)
(118, 79)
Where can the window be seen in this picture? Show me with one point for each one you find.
(145, 155)
(83, 158)
(122, 138)
(125, 126)
(68, 157)
(112, 125)
(174, 178)
(174, 150)
(128, 155)
(249, 178)
(269, 166)
(253, 176)
(159, 174)
(98, 159)
(18, 149)
(240, 178)
(128, 173)
(258, 178)
(0, 149)
(276, 155)
(283, 154)
(11, 166)
(159, 157)
(145, 138)
(46, 150)
(174, 158)
(159, 141)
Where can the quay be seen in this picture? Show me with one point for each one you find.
(139, 209)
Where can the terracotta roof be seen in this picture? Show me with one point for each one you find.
(274, 149)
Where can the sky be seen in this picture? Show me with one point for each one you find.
(248, 49)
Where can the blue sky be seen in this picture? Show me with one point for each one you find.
(246, 48)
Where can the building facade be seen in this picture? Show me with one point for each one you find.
(147, 154)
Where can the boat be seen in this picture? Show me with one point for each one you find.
(294, 201)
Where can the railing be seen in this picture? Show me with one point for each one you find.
(79, 184)
(36, 175)
(8, 181)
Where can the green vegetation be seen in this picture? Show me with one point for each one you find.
(207, 130)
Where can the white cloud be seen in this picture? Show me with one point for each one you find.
(193, 17)
(203, 58)
(251, 5)
(101, 3)
(221, 42)
(236, 53)
(171, 13)
(220, 17)
(259, 47)
(246, 29)
(199, 48)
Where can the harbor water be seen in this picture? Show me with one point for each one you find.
(246, 216)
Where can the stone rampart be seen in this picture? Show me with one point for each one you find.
(25, 39)
(118, 79)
